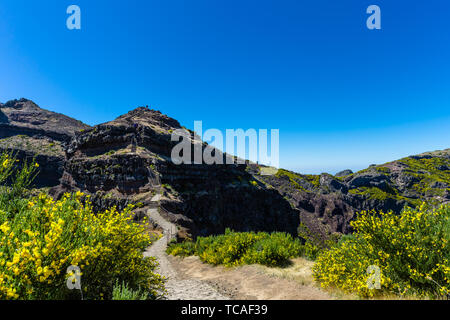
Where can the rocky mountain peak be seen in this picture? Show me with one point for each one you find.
(144, 116)
(23, 116)
(138, 130)
(21, 104)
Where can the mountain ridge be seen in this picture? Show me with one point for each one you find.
(26, 114)
(120, 161)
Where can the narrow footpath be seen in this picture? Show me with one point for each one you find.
(177, 288)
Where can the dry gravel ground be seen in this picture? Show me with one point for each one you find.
(254, 282)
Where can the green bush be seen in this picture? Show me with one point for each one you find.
(121, 291)
(311, 251)
(273, 250)
(237, 248)
(15, 179)
(183, 249)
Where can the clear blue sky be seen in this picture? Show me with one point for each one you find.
(342, 96)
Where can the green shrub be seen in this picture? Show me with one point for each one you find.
(121, 291)
(311, 251)
(237, 248)
(15, 179)
(273, 250)
(183, 249)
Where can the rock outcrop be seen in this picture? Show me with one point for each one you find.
(344, 173)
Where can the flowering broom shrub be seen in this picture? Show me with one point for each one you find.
(42, 237)
(411, 250)
(237, 248)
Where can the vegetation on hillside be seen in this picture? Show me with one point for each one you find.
(430, 174)
(35, 145)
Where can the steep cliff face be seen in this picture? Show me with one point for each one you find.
(215, 197)
(31, 132)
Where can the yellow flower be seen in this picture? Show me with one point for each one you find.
(5, 163)
(39, 270)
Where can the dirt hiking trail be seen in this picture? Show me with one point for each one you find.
(177, 288)
(190, 279)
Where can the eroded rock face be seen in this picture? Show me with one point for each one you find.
(227, 196)
(120, 156)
